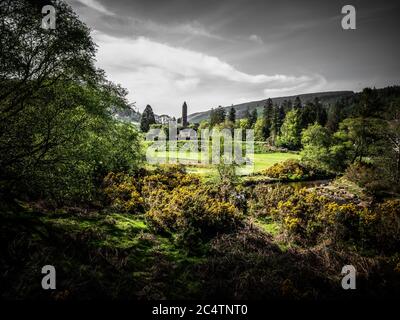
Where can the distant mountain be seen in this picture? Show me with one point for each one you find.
(133, 116)
(127, 115)
(325, 98)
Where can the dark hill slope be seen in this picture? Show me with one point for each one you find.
(324, 97)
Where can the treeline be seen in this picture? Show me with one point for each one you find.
(363, 139)
(359, 133)
(58, 135)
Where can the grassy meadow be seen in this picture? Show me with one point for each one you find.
(192, 161)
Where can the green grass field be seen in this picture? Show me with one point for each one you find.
(192, 161)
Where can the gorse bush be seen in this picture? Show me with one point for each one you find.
(308, 218)
(122, 193)
(165, 178)
(292, 170)
(266, 197)
(176, 203)
(179, 203)
(192, 212)
(299, 214)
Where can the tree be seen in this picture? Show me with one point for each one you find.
(259, 130)
(287, 105)
(369, 104)
(217, 116)
(297, 103)
(278, 117)
(334, 116)
(320, 112)
(147, 119)
(253, 117)
(389, 156)
(244, 125)
(360, 137)
(232, 114)
(308, 115)
(290, 131)
(267, 119)
(316, 142)
(55, 107)
(204, 124)
(312, 112)
(247, 114)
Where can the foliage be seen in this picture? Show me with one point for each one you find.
(147, 119)
(369, 177)
(232, 115)
(253, 117)
(193, 212)
(121, 191)
(292, 170)
(309, 217)
(217, 116)
(290, 131)
(267, 120)
(58, 137)
(360, 137)
(259, 127)
(266, 197)
(316, 142)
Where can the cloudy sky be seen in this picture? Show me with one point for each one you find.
(212, 53)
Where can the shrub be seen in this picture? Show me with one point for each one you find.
(266, 198)
(122, 193)
(165, 178)
(299, 214)
(343, 221)
(367, 176)
(292, 170)
(192, 212)
(308, 217)
(380, 227)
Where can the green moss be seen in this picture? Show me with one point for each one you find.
(269, 226)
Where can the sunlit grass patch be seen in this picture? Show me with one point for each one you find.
(192, 162)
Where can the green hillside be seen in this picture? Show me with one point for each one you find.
(324, 97)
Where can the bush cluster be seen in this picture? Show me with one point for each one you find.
(175, 202)
(292, 170)
(308, 217)
(122, 193)
(368, 177)
(192, 212)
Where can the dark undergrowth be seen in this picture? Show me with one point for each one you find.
(108, 255)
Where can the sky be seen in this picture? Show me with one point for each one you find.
(223, 52)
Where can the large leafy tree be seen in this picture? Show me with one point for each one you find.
(217, 116)
(290, 131)
(316, 142)
(54, 104)
(361, 137)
